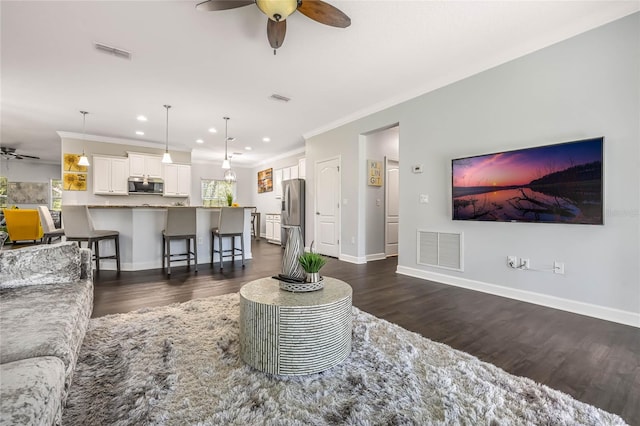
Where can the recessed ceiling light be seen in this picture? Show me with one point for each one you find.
(199, 141)
(266, 139)
(248, 148)
(213, 130)
(139, 133)
(141, 118)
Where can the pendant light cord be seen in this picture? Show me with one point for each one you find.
(226, 136)
(167, 129)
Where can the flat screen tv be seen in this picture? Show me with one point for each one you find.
(559, 183)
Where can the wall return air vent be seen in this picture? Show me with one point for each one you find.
(440, 249)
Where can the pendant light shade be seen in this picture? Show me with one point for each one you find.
(230, 176)
(166, 157)
(84, 161)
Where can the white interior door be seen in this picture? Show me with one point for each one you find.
(392, 208)
(327, 229)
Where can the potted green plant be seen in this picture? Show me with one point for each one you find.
(229, 199)
(312, 263)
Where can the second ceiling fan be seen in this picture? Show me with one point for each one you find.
(277, 12)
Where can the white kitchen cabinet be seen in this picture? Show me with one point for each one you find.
(145, 165)
(302, 168)
(293, 172)
(272, 223)
(110, 175)
(177, 180)
(286, 173)
(277, 183)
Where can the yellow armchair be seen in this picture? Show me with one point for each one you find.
(23, 224)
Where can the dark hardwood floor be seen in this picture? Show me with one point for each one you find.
(595, 361)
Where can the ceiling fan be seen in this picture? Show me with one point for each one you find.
(277, 12)
(10, 154)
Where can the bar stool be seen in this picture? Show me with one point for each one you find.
(49, 228)
(230, 224)
(255, 232)
(180, 225)
(78, 226)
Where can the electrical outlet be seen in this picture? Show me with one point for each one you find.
(199, 241)
(512, 261)
(424, 198)
(353, 240)
(525, 264)
(558, 268)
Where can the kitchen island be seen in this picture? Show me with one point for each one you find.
(141, 228)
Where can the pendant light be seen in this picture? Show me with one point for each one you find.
(84, 161)
(229, 174)
(166, 158)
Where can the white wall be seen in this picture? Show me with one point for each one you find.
(587, 86)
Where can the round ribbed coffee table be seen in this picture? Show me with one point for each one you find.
(295, 333)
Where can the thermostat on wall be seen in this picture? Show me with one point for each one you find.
(416, 168)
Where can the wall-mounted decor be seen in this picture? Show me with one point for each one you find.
(374, 170)
(74, 181)
(27, 193)
(265, 181)
(559, 183)
(70, 163)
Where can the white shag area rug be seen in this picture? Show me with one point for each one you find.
(180, 365)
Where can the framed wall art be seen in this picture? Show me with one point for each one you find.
(265, 180)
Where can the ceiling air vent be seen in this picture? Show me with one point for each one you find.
(113, 50)
(276, 97)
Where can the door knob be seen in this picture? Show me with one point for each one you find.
(318, 213)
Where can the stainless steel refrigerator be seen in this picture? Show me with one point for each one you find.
(292, 211)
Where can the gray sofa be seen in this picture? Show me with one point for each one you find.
(46, 299)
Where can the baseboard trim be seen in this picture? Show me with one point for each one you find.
(595, 311)
(376, 256)
(352, 259)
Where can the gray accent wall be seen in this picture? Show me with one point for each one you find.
(586, 86)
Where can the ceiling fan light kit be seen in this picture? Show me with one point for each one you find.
(278, 10)
(166, 157)
(84, 161)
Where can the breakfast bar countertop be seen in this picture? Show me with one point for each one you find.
(140, 227)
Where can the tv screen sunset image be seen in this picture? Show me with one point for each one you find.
(555, 183)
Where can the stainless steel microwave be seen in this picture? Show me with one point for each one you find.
(139, 185)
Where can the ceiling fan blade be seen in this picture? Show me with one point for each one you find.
(21, 156)
(324, 13)
(276, 32)
(211, 5)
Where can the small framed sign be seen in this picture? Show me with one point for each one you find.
(374, 169)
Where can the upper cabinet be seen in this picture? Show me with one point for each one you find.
(145, 165)
(277, 183)
(177, 180)
(302, 168)
(110, 175)
(297, 171)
